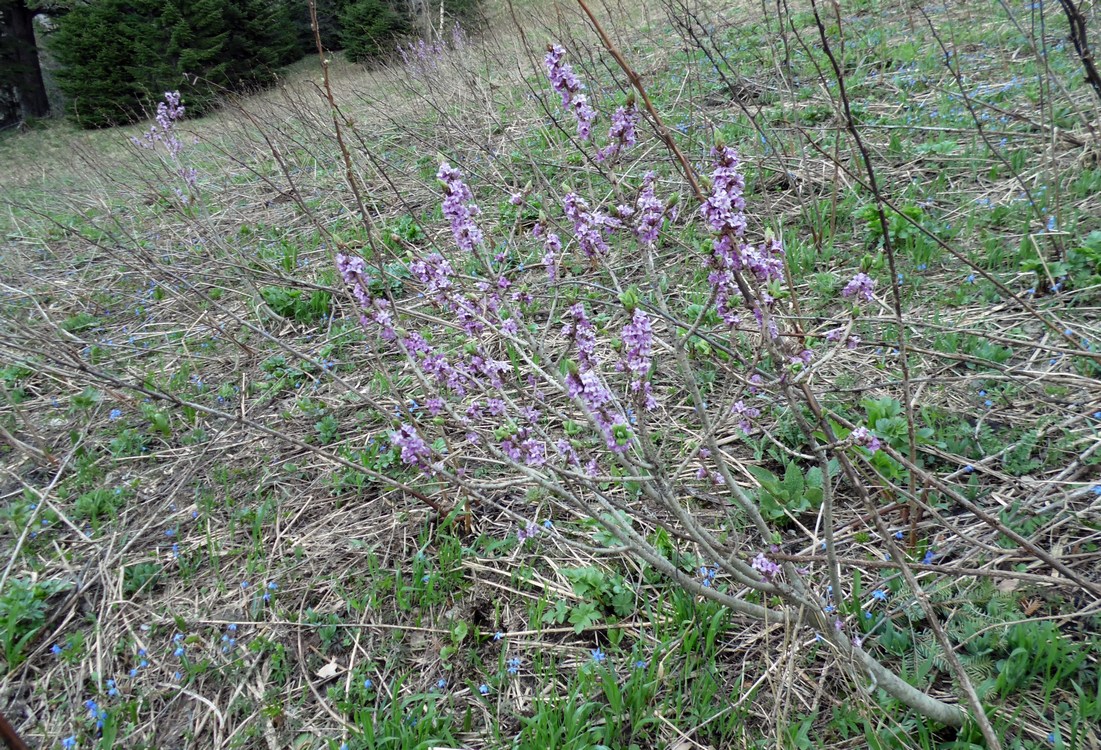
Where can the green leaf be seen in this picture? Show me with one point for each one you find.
(793, 482)
(584, 615)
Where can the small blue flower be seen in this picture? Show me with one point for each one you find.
(929, 555)
(441, 683)
(988, 403)
(867, 615)
(244, 584)
(483, 689)
(133, 673)
(640, 664)
(177, 676)
(343, 746)
(898, 535)
(880, 595)
(115, 414)
(514, 665)
(68, 743)
(368, 684)
(498, 635)
(232, 627)
(179, 651)
(971, 278)
(111, 689)
(548, 524)
(598, 655)
(170, 532)
(969, 469)
(56, 650)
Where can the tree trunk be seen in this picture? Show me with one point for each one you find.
(18, 22)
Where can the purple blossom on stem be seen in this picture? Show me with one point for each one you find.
(585, 383)
(650, 212)
(414, 450)
(569, 87)
(744, 414)
(863, 437)
(561, 74)
(862, 286)
(638, 342)
(169, 112)
(723, 209)
(589, 227)
(621, 134)
(552, 246)
(767, 568)
(459, 208)
(435, 272)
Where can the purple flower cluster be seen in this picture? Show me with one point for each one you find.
(621, 134)
(590, 227)
(767, 568)
(834, 335)
(862, 286)
(650, 212)
(863, 437)
(552, 246)
(569, 87)
(414, 451)
(724, 211)
(522, 448)
(353, 270)
(585, 383)
(459, 208)
(703, 472)
(169, 112)
(638, 343)
(420, 57)
(744, 414)
(531, 531)
(724, 208)
(435, 273)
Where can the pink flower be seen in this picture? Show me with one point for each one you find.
(862, 286)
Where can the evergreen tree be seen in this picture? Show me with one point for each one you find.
(370, 28)
(261, 38)
(198, 50)
(110, 66)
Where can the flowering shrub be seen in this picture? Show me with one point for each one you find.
(581, 393)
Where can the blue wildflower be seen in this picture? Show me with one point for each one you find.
(598, 655)
(483, 689)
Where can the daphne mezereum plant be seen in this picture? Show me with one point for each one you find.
(557, 375)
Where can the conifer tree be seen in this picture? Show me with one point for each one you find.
(370, 28)
(111, 58)
(198, 50)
